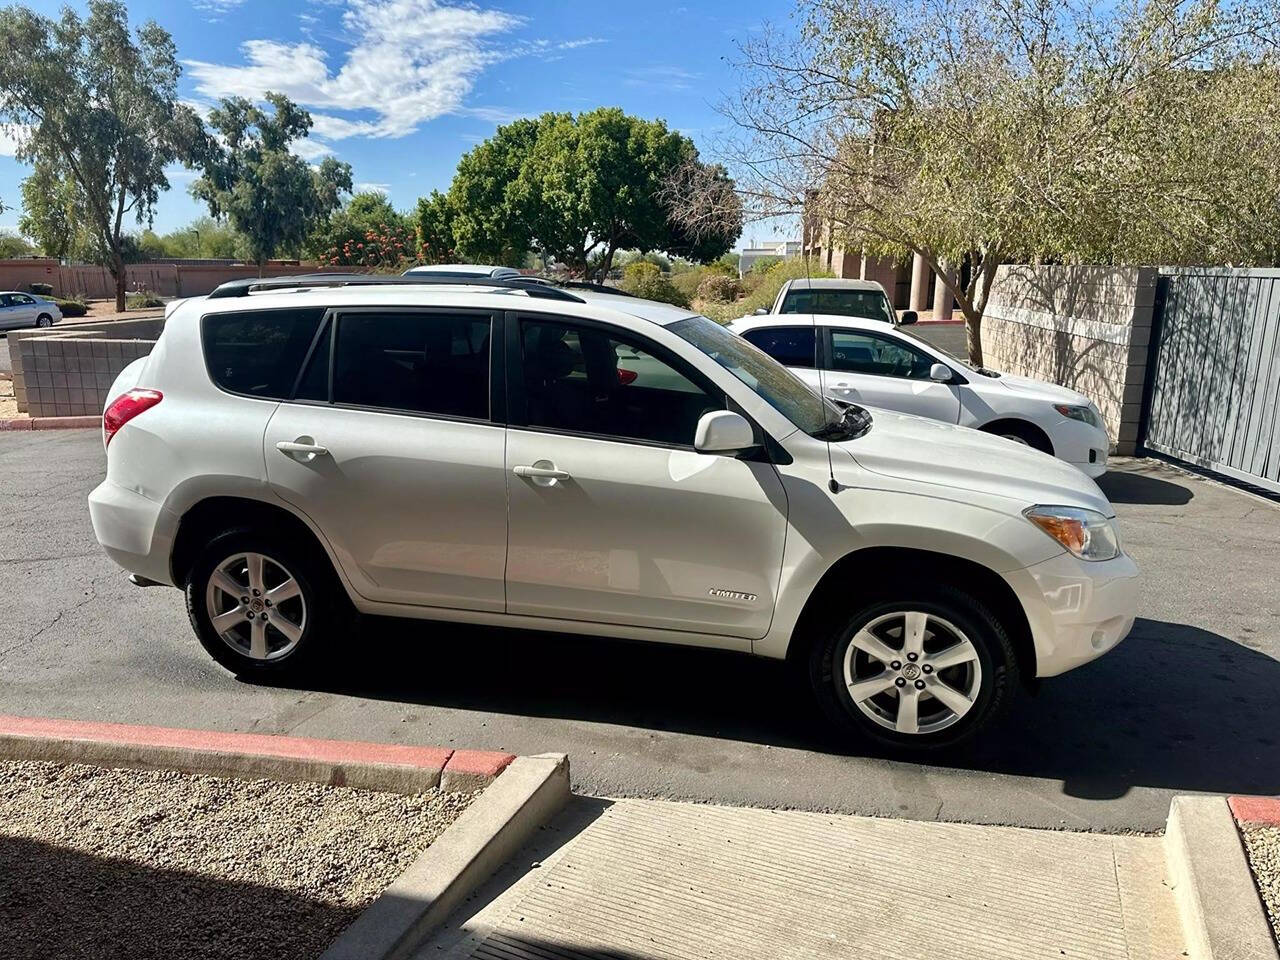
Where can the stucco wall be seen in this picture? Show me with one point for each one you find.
(1085, 327)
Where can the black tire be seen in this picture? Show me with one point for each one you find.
(1019, 431)
(322, 614)
(44, 320)
(954, 608)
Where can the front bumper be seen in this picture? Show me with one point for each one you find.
(1082, 445)
(135, 532)
(1077, 609)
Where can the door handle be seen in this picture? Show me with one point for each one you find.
(302, 448)
(542, 471)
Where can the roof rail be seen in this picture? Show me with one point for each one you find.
(242, 288)
(595, 287)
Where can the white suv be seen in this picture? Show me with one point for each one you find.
(503, 453)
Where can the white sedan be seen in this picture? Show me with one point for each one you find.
(855, 360)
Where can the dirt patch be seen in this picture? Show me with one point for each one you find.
(1263, 845)
(101, 863)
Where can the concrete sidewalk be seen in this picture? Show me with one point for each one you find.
(646, 879)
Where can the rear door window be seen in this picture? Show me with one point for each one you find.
(258, 353)
(790, 346)
(415, 361)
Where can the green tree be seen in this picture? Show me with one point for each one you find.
(12, 245)
(363, 213)
(52, 216)
(270, 195)
(973, 133)
(490, 222)
(433, 228)
(97, 106)
(206, 238)
(577, 189)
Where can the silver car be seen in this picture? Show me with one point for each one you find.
(18, 309)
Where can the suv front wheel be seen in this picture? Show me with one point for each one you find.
(256, 606)
(925, 670)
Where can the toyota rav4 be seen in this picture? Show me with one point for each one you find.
(491, 451)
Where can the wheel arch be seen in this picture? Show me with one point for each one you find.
(213, 515)
(1032, 433)
(862, 573)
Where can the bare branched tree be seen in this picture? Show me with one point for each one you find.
(975, 133)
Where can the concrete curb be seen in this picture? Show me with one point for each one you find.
(1222, 915)
(489, 832)
(50, 423)
(370, 766)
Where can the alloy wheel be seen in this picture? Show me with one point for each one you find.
(912, 672)
(256, 606)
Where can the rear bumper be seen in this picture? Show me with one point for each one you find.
(1078, 610)
(135, 532)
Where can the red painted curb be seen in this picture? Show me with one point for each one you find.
(1256, 811)
(479, 763)
(50, 423)
(266, 745)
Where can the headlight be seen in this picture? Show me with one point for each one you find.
(1085, 414)
(1086, 533)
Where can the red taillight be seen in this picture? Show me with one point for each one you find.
(626, 376)
(125, 407)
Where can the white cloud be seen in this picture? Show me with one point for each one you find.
(310, 149)
(366, 186)
(215, 10)
(410, 61)
(658, 77)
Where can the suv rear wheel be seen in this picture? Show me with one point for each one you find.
(925, 670)
(256, 605)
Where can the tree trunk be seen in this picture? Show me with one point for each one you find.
(973, 335)
(119, 274)
(261, 263)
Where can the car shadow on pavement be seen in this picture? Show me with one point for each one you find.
(66, 903)
(1132, 487)
(1173, 706)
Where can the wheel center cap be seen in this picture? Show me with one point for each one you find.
(910, 671)
(255, 605)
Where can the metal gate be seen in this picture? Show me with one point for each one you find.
(1213, 394)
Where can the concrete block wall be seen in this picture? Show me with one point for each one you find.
(70, 376)
(142, 328)
(1085, 327)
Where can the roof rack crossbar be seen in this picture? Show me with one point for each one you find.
(242, 288)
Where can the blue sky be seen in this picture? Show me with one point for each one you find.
(400, 89)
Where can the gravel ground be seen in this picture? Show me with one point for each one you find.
(101, 863)
(1263, 844)
(8, 403)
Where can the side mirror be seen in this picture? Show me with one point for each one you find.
(940, 372)
(760, 312)
(723, 431)
(908, 317)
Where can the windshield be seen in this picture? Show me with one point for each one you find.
(867, 304)
(777, 385)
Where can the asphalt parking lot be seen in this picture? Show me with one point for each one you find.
(1187, 703)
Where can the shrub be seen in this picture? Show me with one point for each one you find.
(647, 281)
(143, 300)
(41, 289)
(687, 280)
(766, 290)
(719, 288)
(765, 264)
(72, 308)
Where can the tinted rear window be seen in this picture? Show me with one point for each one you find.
(258, 353)
(790, 346)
